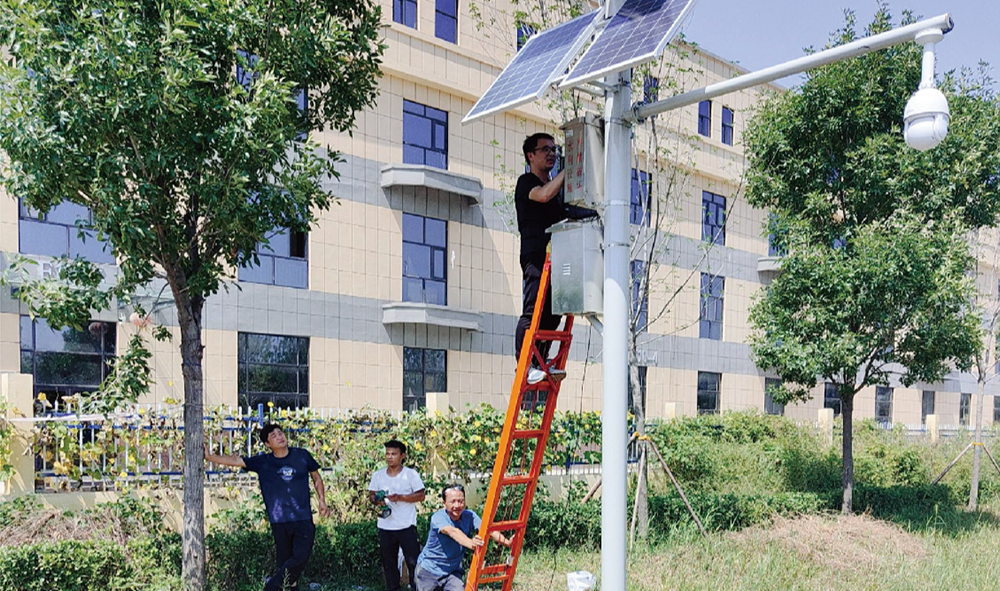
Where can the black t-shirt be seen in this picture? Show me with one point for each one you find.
(534, 218)
(284, 483)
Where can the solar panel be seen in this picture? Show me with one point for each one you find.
(542, 59)
(638, 32)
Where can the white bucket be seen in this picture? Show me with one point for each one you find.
(580, 580)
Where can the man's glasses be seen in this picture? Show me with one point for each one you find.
(547, 149)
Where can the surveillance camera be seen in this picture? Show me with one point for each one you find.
(925, 119)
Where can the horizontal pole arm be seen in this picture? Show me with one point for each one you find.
(796, 66)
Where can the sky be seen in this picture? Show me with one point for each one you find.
(768, 32)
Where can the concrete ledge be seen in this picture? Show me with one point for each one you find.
(418, 313)
(420, 175)
(769, 265)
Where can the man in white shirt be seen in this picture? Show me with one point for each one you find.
(402, 489)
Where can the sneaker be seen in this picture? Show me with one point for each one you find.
(535, 375)
(557, 375)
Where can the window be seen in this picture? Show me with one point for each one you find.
(727, 126)
(964, 406)
(283, 261)
(522, 33)
(245, 76)
(425, 135)
(710, 316)
(640, 295)
(57, 233)
(638, 207)
(831, 398)
(446, 20)
(642, 388)
(883, 404)
(773, 248)
(424, 275)
(770, 406)
(404, 12)
(705, 118)
(926, 405)
(713, 222)
(274, 369)
(424, 370)
(996, 410)
(709, 385)
(650, 89)
(66, 362)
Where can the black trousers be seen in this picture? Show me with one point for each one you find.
(532, 280)
(293, 543)
(389, 542)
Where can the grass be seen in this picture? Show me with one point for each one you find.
(817, 552)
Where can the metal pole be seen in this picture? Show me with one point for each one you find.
(796, 66)
(614, 429)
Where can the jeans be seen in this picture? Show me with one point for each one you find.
(293, 543)
(532, 273)
(428, 581)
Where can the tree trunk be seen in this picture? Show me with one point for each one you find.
(847, 478)
(189, 311)
(978, 448)
(642, 485)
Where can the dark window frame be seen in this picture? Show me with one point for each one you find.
(438, 256)
(703, 393)
(711, 306)
(640, 297)
(964, 408)
(639, 213)
(414, 151)
(925, 408)
(650, 89)
(996, 410)
(522, 32)
(705, 118)
(770, 406)
(400, 13)
(415, 390)
(300, 367)
(713, 218)
(727, 126)
(266, 272)
(442, 16)
(883, 404)
(831, 398)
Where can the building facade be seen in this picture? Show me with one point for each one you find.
(411, 283)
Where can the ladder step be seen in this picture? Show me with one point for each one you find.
(527, 433)
(506, 526)
(553, 335)
(494, 569)
(515, 480)
(497, 579)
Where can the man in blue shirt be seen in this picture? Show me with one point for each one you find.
(284, 483)
(453, 530)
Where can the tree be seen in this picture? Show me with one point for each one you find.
(134, 110)
(874, 285)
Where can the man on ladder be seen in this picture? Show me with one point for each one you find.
(539, 205)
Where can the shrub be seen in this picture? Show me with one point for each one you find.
(69, 565)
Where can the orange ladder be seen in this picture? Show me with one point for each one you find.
(525, 433)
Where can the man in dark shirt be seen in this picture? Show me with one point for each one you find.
(539, 205)
(284, 483)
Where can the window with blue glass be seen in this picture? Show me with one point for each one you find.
(640, 295)
(713, 223)
(774, 248)
(705, 118)
(639, 200)
(425, 241)
(710, 315)
(283, 260)
(67, 361)
(727, 126)
(424, 370)
(63, 231)
(245, 75)
(446, 20)
(523, 32)
(650, 89)
(404, 12)
(425, 135)
(273, 368)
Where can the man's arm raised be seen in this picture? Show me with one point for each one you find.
(548, 191)
(235, 461)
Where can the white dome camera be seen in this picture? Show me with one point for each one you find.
(925, 119)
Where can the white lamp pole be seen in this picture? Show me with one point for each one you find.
(923, 124)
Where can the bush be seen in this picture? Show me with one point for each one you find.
(69, 565)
